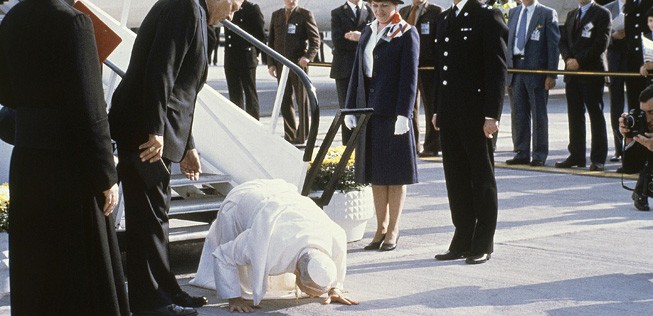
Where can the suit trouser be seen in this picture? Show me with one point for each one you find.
(468, 161)
(528, 102)
(242, 81)
(616, 62)
(425, 80)
(341, 87)
(293, 132)
(151, 283)
(586, 93)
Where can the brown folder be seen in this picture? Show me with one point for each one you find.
(105, 38)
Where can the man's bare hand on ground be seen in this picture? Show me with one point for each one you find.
(238, 304)
(336, 296)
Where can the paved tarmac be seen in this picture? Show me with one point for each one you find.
(567, 242)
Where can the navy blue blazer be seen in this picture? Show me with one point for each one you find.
(167, 69)
(393, 87)
(542, 39)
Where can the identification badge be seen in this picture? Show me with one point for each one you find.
(425, 28)
(292, 28)
(536, 35)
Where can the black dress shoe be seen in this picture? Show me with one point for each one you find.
(537, 163)
(517, 161)
(640, 202)
(428, 153)
(597, 166)
(568, 163)
(184, 299)
(389, 247)
(615, 158)
(168, 310)
(482, 258)
(450, 255)
(375, 245)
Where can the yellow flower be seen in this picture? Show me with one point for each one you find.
(346, 181)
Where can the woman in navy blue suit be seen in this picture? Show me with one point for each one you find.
(384, 77)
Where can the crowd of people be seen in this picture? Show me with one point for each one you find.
(378, 50)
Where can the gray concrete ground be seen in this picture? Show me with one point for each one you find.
(567, 243)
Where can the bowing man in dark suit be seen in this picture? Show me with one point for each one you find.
(533, 37)
(293, 34)
(634, 25)
(423, 15)
(584, 40)
(469, 90)
(347, 22)
(241, 58)
(151, 120)
(64, 252)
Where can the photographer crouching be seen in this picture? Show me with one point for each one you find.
(637, 129)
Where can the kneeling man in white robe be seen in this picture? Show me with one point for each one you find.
(266, 228)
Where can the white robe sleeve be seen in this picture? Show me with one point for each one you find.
(228, 257)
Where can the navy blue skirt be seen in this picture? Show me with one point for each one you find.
(389, 159)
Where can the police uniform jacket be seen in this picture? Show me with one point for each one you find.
(469, 85)
(635, 23)
(250, 19)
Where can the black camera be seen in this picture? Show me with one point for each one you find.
(635, 121)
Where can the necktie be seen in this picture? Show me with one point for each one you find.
(521, 30)
(454, 12)
(358, 13)
(287, 15)
(580, 15)
(412, 15)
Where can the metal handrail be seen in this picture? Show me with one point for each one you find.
(310, 88)
(535, 71)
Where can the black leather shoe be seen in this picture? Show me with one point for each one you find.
(517, 161)
(568, 163)
(428, 153)
(482, 258)
(450, 255)
(375, 245)
(389, 247)
(184, 299)
(640, 202)
(169, 310)
(615, 158)
(597, 167)
(537, 163)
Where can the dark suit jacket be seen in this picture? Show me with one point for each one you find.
(393, 88)
(250, 19)
(167, 69)
(541, 50)
(60, 92)
(343, 20)
(589, 43)
(304, 42)
(469, 86)
(635, 24)
(426, 27)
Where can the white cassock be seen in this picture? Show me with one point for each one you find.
(260, 232)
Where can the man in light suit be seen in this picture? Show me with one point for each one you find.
(347, 22)
(469, 90)
(423, 15)
(151, 118)
(583, 42)
(533, 37)
(293, 34)
(241, 58)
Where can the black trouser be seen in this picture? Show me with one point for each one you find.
(341, 86)
(151, 283)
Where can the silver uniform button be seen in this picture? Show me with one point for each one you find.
(446, 39)
(637, 48)
(636, 25)
(446, 54)
(444, 83)
(445, 68)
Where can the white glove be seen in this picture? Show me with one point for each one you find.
(401, 125)
(350, 121)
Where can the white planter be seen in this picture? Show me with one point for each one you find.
(351, 211)
(4, 263)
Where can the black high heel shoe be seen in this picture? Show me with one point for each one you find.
(375, 245)
(389, 247)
